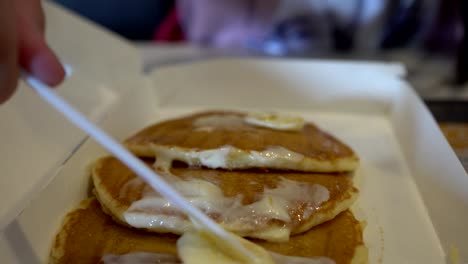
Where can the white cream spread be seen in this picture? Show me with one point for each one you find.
(275, 121)
(155, 212)
(228, 157)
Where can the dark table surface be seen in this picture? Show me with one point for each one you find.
(453, 120)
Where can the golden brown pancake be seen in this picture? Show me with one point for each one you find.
(314, 149)
(339, 239)
(110, 178)
(88, 235)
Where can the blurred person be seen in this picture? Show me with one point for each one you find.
(284, 27)
(22, 45)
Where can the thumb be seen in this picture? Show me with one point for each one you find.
(8, 51)
(34, 54)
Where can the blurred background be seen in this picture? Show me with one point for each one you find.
(428, 36)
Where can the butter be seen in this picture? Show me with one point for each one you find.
(164, 223)
(273, 233)
(275, 121)
(271, 206)
(199, 247)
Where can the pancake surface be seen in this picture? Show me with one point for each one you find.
(88, 235)
(310, 149)
(339, 239)
(111, 180)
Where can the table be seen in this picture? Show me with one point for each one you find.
(457, 136)
(452, 116)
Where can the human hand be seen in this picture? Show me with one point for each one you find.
(22, 45)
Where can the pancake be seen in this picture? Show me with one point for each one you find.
(88, 235)
(243, 144)
(295, 194)
(339, 239)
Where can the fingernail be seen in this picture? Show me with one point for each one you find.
(47, 68)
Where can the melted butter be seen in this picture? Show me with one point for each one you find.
(275, 121)
(155, 212)
(132, 185)
(228, 157)
(199, 247)
(212, 122)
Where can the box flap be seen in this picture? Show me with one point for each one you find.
(220, 83)
(36, 140)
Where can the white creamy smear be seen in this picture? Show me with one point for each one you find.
(153, 258)
(228, 157)
(155, 212)
(231, 157)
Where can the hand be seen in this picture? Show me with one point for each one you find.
(22, 45)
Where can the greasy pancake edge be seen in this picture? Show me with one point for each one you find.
(60, 238)
(113, 208)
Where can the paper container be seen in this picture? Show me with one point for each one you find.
(414, 191)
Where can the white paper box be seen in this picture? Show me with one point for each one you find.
(414, 191)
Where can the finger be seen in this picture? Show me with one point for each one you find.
(37, 12)
(34, 54)
(8, 51)
(46, 66)
(33, 11)
(38, 59)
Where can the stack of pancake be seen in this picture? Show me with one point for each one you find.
(281, 182)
